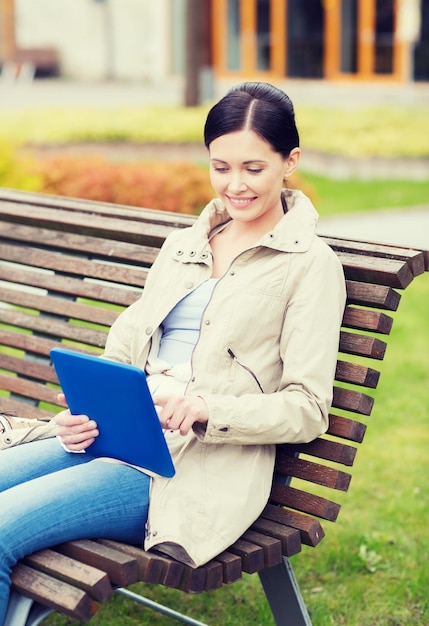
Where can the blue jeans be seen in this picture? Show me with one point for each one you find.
(48, 496)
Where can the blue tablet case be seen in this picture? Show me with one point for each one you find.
(117, 397)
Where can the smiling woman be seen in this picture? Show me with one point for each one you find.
(251, 301)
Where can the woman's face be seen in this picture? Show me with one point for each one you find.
(248, 175)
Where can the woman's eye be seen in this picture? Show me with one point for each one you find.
(254, 171)
(221, 170)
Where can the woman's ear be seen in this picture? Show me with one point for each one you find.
(291, 163)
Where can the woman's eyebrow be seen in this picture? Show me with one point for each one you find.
(244, 162)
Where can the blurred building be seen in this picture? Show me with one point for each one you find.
(322, 39)
(371, 40)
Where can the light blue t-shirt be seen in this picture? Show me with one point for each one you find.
(181, 327)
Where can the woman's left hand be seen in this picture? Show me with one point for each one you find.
(181, 412)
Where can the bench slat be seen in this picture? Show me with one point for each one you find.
(383, 271)
(28, 388)
(28, 343)
(367, 294)
(53, 593)
(82, 223)
(111, 250)
(252, 556)
(58, 306)
(304, 502)
(32, 369)
(81, 266)
(362, 319)
(346, 428)
(53, 328)
(88, 578)
(271, 546)
(193, 580)
(46, 281)
(356, 374)
(312, 472)
(21, 409)
(321, 448)
(207, 578)
(362, 345)
(32, 200)
(121, 568)
(152, 567)
(351, 400)
(214, 576)
(309, 528)
(289, 538)
(413, 258)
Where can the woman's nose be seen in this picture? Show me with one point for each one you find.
(236, 183)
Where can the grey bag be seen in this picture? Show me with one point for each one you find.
(15, 430)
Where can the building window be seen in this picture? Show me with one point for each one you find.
(305, 26)
(349, 30)
(263, 35)
(384, 32)
(233, 42)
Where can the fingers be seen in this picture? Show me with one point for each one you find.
(62, 399)
(76, 432)
(180, 412)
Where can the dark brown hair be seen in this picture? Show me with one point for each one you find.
(260, 107)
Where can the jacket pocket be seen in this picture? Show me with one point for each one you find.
(245, 368)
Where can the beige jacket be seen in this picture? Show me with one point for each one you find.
(264, 363)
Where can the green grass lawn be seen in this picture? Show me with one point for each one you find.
(340, 197)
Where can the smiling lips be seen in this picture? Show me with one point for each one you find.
(240, 203)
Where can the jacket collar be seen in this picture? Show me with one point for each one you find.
(293, 233)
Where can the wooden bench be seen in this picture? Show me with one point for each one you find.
(28, 63)
(67, 268)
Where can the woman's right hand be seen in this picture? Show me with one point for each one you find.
(76, 432)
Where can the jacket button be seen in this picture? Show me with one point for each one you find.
(192, 253)
(179, 252)
(149, 330)
(207, 322)
(189, 285)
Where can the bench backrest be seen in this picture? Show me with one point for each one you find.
(68, 267)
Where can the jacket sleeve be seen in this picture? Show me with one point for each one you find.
(298, 411)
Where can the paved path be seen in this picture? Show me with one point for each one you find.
(406, 227)
(63, 92)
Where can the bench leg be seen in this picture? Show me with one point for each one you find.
(23, 611)
(284, 596)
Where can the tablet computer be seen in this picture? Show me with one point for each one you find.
(117, 397)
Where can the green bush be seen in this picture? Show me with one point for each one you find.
(16, 172)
